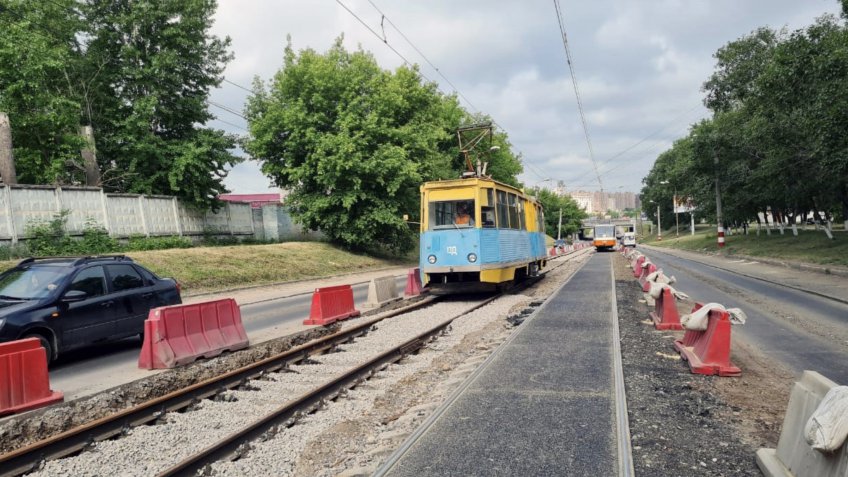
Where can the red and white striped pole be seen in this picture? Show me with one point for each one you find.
(720, 236)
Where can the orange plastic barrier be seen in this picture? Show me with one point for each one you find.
(331, 304)
(708, 351)
(413, 282)
(665, 313)
(24, 382)
(179, 334)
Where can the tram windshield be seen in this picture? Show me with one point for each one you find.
(450, 214)
(605, 231)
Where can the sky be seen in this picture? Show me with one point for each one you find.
(639, 67)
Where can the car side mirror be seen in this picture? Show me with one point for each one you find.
(74, 295)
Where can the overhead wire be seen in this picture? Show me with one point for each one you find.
(570, 60)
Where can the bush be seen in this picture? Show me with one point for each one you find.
(49, 238)
(95, 241)
(138, 243)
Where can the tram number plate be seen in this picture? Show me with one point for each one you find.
(451, 250)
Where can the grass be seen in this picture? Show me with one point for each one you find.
(204, 269)
(810, 246)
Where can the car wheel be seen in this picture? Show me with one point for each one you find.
(45, 343)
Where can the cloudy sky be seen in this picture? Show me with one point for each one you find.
(639, 66)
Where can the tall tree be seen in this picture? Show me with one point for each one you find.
(353, 143)
(153, 63)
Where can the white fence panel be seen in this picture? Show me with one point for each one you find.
(191, 220)
(31, 206)
(85, 206)
(159, 216)
(124, 215)
(241, 218)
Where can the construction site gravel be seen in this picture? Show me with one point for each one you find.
(681, 424)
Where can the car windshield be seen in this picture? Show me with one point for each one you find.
(29, 283)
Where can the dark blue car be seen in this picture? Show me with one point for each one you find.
(70, 303)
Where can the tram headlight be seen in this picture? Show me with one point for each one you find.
(472, 257)
(431, 259)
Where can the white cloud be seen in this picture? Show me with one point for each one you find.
(640, 66)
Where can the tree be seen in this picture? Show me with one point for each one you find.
(39, 56)
(353, 143)
(152, 64)
(572, 214)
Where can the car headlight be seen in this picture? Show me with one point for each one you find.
(431, 259)
(472, 257)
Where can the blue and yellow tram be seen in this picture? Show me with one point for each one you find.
(477, 233)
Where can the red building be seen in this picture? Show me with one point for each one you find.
(256, 200)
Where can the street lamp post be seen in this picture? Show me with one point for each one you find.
(659, 227)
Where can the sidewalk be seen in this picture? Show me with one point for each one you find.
(802, 277)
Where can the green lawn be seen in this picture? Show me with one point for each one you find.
(219, 268)
(810, 246)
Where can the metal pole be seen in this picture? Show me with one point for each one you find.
(692, 216)
(659, 227)
(676, 220)
(559, 228)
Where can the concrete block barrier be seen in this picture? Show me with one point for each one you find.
(382, 290)
(24, 382)
(180, 334)
(794, 456)
(708, 350)
(331, 304)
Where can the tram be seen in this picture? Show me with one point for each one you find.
(478, 234)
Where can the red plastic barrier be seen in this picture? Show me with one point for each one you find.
(637, 267)
(331, 304)
(643, 278)
(708, 351)
(24, 382)
(665, 313)
(179, 334)
(413, 282)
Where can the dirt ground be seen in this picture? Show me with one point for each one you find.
(687, 424)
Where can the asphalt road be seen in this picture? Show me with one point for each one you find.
(97, 368)
(798, 329)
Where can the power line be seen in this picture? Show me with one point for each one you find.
(230, 124)
(237, 85)
(577, 91)
(227, 109)
(424, 56)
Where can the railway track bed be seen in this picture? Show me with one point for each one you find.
(387, 399)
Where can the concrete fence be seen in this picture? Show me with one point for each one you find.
(125, 215)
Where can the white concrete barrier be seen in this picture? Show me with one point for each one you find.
(382, 290)
(793, 456)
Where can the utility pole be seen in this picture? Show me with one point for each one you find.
(7, 160)
(659, 227)
(559, 228)
(676, 219)
(718, 203)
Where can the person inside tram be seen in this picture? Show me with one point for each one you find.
(462, 216)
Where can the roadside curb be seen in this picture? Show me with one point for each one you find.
(805, 290)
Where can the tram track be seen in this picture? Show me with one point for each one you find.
(83, 437)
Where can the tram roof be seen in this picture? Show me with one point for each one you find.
(473, 182)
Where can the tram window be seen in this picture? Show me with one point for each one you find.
(503, 210)
(487, 214)
(514, 220)
(450, 214)
(541, 216)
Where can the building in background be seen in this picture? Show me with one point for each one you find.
(256, 200)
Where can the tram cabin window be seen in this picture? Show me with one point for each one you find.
(450, 214)
(515, 221)
(503, 210)
(487, 214)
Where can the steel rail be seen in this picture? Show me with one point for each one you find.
(28, 458)
(231, 446)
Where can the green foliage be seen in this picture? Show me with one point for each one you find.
(49, 238)
(95, 241)
(139, 243)
(141, 77)
(777, 138)
(352, 143)
(572, 213)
